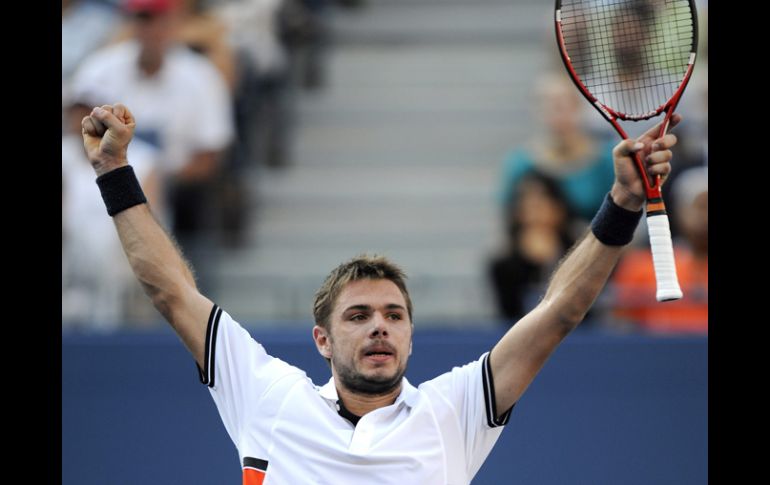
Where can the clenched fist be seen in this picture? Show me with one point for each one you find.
(107, 132)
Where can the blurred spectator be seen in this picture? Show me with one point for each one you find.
(632, 28)
(183, 106)
(304, 33)
(204, 32)
(200, 29)
(262, 107)
(702, 7)
(86, 25)
(563, 150)
(98, 287)
(693, 137)
(538, 227)
(276, 43)
(634, 283)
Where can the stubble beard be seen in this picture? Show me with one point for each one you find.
(358, 383)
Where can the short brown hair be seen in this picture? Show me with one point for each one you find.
(361, 267)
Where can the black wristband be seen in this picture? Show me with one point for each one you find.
(614, 225)
(120, 190)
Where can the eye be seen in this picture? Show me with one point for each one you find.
(395, 316)
(358, 317)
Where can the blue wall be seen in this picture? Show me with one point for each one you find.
(604, 410)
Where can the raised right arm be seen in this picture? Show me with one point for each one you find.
(155, 259)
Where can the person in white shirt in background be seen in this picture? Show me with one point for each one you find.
(185, 109)
(98, 289)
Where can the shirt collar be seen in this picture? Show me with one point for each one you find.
(408, 395)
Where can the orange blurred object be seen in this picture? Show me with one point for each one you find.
(634, 283)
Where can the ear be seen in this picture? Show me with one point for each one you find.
(322, 341)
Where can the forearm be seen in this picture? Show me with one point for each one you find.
(584, 272)
(580, 278)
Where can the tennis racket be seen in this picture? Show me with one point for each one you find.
(632, 59)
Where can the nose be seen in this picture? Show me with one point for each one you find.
(379, 328)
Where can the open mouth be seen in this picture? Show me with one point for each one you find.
(378, 354)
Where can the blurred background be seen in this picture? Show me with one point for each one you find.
(278, 138)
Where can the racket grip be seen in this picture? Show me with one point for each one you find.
(663, 258)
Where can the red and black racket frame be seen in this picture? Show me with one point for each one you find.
(655, 203)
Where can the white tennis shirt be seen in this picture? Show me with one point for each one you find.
(288, 431)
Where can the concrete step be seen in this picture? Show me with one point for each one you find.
(402, 147)
(374, 182)
(368, 205)
(286, 283)
(442, 22)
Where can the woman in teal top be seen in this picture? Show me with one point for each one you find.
(562, 149)
(584, 182)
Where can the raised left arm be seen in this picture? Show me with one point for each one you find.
(521, 353)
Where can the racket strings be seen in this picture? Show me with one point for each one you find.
(630, 54)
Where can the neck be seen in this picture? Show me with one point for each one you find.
(361, 404)
(150, 63)
(565, 150)
(567, 144)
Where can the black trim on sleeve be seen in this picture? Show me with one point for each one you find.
(206, 375)
(256, 463)
(489, 397)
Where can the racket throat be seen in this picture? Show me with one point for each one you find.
(651, 187)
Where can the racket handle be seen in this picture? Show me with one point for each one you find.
(663, 258)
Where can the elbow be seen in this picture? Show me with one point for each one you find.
(167, 291)
(167, 301)
(571, 319)
(567, 316)
(163, 303)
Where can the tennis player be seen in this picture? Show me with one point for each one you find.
(368, 423)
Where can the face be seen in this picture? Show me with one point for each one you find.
(369, 338)
(154, 31)
(629, 36)
(559, 107)
(537, 208)
(695, 221)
